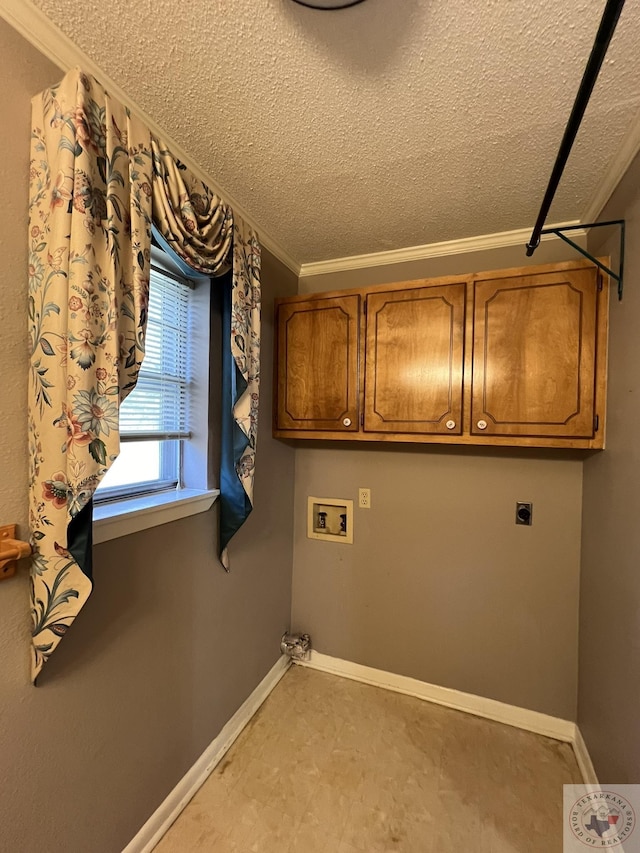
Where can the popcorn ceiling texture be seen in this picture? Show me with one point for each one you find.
(385, 125)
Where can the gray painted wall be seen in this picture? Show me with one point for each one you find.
(169, 646)
(440, 584)
(609, 694)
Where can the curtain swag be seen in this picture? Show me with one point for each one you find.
(97, 181)
(205, 234)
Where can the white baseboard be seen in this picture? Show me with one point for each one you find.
(491, 709)
(160, 821)
(585, 764)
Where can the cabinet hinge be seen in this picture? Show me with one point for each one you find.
(596, 423)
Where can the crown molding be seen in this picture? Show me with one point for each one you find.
(44, 35)
(482, 243)
(624, 156)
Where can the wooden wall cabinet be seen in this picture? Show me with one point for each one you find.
(513, 357)
(318, 358)
(414, 360)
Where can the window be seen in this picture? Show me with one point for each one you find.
(154, 417)
(163, 421)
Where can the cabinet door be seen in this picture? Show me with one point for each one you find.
(318, 364)
(534, 355)
(414, 360)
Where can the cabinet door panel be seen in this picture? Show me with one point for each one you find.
(534, 355)
(318, 364)
(414, 360)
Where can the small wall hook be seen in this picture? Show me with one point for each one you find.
(11, 550)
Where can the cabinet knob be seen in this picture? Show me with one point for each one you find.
(346, 422)
(450, 425)
(482, 424)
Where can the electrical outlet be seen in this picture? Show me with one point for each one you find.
(364, 498)
(524, 513)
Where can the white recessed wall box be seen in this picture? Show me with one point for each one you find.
(330, 519)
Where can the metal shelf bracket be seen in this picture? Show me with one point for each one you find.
(559, 232)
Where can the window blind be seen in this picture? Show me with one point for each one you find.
(158, 406)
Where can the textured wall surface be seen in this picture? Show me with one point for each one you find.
(24, 73)
(440, 584)
(169, 645)
(363, 130)
(609, 695)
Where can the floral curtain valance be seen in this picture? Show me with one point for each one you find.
(97, 182)
(192, 219)
(89, 239)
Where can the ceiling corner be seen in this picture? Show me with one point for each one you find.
(34, 26)
(622, 159)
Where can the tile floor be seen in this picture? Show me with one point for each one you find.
(329, 765)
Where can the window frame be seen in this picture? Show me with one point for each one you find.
(126, 509)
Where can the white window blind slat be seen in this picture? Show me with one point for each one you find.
(158, 407)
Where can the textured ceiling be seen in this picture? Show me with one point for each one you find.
(389, 124)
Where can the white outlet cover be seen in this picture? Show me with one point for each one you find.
(364, 498)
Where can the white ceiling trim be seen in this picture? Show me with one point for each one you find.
(626, 153)
(43, 34)
(482, 243)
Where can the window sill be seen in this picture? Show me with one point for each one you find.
(120, 518)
